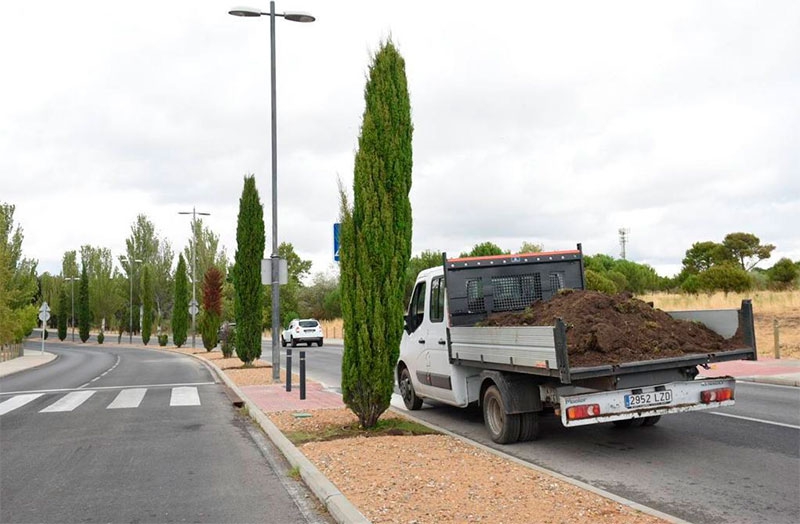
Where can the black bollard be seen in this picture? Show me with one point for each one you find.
(288, 369)
(302, 375)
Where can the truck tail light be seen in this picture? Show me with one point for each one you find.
(584, 411)
(716, 395)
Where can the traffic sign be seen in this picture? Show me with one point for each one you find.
(44, 312)
(193, 307)
(337, 231)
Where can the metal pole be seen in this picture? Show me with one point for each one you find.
(288, 369)
(776, 333)
(72, 297)
(276, 297)
(130, 326)
(302, 375)
(194, 272)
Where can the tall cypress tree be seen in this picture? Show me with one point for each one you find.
(248, 301)
(376, 240)
(63, 308)
(84, 313)
(180, 311)
(147, 303)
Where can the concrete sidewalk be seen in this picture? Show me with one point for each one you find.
(32, 358)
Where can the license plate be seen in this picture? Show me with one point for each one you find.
(653, 398)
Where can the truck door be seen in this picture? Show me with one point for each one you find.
(413, 347)
(439, 368)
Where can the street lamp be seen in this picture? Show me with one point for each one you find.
(72, 280)
(193, 306)
(130, 277)
(295, 16)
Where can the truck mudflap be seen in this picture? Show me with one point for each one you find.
(648, 401)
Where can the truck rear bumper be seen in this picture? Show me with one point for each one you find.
(648, 401)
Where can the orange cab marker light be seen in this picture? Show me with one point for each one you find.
(584, 411)
(716, 395)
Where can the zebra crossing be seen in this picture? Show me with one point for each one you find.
(125, 398)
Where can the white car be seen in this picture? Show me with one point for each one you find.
(305, 330)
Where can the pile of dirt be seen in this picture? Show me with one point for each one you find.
(611, 329)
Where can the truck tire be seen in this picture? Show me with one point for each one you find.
(529, 427)
(503, 427)
(410, 398)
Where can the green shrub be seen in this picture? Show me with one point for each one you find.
(100, 337)
(598, 282)
(228, 341)
(162, 339)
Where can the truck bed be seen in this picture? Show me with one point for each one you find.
(542, 350)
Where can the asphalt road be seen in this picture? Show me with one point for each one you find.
(155, 439)
(738, 464)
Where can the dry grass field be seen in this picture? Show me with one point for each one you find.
(768, 306)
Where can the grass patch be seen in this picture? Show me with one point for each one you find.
(294, 473)
(386, 427)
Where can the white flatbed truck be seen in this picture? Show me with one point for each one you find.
(517, 373)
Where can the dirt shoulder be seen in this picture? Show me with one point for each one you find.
(435, 478)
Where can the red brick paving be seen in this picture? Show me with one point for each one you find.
(274, 397)
(748, 368)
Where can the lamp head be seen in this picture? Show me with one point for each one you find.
(245, 11)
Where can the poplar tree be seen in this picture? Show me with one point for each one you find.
(376, 240)
(180, 311)
(63, 308)
(248, 301)
(147, 304)
(84, 313)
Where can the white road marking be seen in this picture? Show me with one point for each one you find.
(128, 398)
(69, 402)
(755, 420)
(17, 402)
(106, 372)
(184, 397)
(108, 388)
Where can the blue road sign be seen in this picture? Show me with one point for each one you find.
(337, 227)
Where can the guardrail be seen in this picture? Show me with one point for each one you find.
(9, 351)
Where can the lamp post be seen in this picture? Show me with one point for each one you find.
(193, 305)
(274, 257)
(130, 277)
(71, 281)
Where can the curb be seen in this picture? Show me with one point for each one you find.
(341, 509)
(539, 469)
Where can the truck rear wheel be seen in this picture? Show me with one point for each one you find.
(529, 427)
(410, 398)
(503, 427)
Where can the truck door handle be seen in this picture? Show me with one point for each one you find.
(421, 341)
(442, 341)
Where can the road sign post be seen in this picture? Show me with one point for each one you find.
(337, 231)
(44, 316)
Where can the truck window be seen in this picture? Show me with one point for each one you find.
(416, 309)
(437, 300)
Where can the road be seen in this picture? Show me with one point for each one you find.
(115, 434)
(737, 464)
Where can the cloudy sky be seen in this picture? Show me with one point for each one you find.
(547, 122)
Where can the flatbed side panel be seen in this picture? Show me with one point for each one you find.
(724, 322)
(528, 346)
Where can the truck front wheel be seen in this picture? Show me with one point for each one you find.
(503, 427)
(410, 398)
